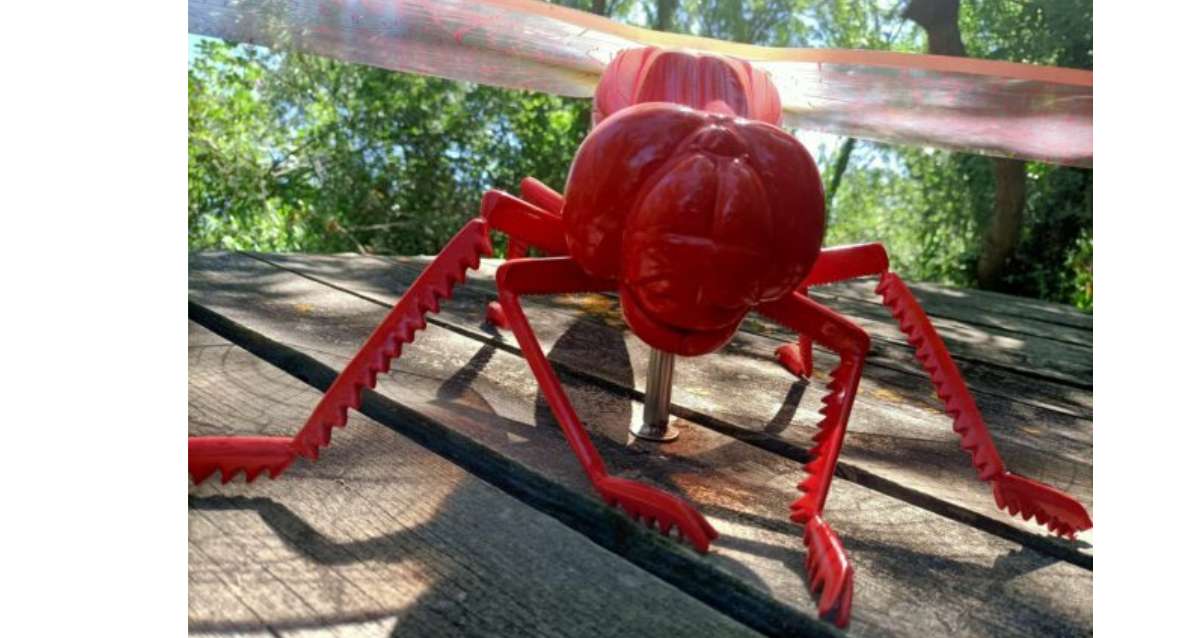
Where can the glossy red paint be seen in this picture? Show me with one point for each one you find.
(696, 209)
(699, 216)
(702, 81)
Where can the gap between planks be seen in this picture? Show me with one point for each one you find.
(972, 312)
(605, 526)
(894, 351)
(944, 580)
(917, 570)
(877, 317)
(997, 523)
(361, 542)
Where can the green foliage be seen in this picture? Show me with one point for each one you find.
(769, 22)
(1054, 258)
(1080, 266)
(930, 208)
(913, 201)
(294, 152)
(1053, 32)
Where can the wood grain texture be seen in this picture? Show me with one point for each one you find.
(385, 538)
(988, 376)
(993, 302)
(918, 572)
(1020, 368)
(1026, 355)
(980, 308)
(900, 439)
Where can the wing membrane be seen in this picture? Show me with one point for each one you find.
(962, 104)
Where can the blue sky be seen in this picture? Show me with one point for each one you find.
(193, 40)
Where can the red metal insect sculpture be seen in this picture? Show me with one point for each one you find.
(692, 204)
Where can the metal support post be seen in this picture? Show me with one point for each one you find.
(655, 424)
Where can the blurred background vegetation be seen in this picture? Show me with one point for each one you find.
(291, 152)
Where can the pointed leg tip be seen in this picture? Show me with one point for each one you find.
(496, 317)
(792, 358)
(831, 578)
(640, 501)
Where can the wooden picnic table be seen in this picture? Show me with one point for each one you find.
(452, 506)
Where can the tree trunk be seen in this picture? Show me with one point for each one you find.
(839, 169)
(1002, 235)
(664, 15)
(939, 19)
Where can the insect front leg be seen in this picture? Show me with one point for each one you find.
(254, 455)
(558, 275)
(543, 208)
(830, 573)
(833, 264)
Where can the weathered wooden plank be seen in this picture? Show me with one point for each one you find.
(899, 439)
(918, 572)
(1025, 354)
(888, 348)
(456, 435)
(969, 307)
(958, 303)
(995, 361)
(386, 538)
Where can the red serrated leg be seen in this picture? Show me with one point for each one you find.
(542, 196)
(833, 264)
(1061, 513)
(935, 358)
(797, 357)
(253, 455)
(535, 220)
(562, 275)
(830, 574)
(1022, 496)
(233, 454)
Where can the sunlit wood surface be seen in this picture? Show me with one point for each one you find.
(453, 505)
